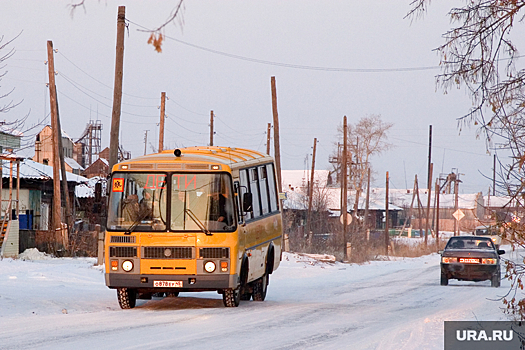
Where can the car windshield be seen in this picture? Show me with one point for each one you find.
(469, 243)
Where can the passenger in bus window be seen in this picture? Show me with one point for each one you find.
(177, 209)
(131, 208)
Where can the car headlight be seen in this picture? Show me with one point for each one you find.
(209, 266)
(127, 265)
(447, 260)
(489, 261)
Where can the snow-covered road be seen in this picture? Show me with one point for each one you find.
(64, 304)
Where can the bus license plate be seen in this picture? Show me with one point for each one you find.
(164, 284)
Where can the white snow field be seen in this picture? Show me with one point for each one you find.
(63, 303)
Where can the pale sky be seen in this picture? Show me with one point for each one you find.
(330, 59)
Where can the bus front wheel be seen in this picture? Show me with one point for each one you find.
(126, 298)
(231, 297)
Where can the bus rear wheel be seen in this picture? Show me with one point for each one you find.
(260, 286)
(127, 298)
(231, 297)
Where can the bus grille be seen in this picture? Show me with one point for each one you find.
(123, 239)
(214, 253)
(123, 252)
(168, 253)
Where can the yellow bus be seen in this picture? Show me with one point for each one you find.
(191, 220)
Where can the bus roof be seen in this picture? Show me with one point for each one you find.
(231, 157)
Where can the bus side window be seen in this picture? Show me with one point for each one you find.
(254, 189)
(263, 187)
(238, 201)
(272, 189)
(243, 177)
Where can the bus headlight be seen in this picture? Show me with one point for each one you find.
(127, 265)
(209, 266)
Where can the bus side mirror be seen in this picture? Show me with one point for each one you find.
(247, 201)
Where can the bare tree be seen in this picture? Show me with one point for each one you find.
(367, 138)
(479, 53)
(15, 127)
(157, 35)
(5, 54)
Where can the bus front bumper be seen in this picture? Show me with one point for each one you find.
(185, 283)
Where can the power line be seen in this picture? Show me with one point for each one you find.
(291, 65)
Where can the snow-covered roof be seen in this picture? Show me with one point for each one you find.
(32, 170)
(297, 199)
(403, 198)
(500, 202)
(73, 163)
(8, 130)
(295, 182)
(87, 189)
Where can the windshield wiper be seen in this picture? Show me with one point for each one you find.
(198, 222)
(136, 223)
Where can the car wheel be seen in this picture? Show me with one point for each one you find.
(444, 279)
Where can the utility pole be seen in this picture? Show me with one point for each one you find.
(367, 204)
(57, 205)
(90, 143)
(310, 197)
(429, 192)
(344, 188)
(69, 216)
(117, 90)
(276, 146)
(145, 141)
(437, 213)
(268, 138)
(211, 128)
(494, 177)
(429, 173)
(387, 238)
(419, 208)
(429, 181)
(456, 190)
(162, 117)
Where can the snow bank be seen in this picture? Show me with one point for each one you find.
(33, 254)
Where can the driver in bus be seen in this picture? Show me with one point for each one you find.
(221, 209)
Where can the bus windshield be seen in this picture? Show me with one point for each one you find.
(197, 202)
(201, 201)
(138, 201)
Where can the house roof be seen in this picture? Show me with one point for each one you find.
(87, 189)
(8, 130)
(73, 163)
(294, 183)
(33, 170)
